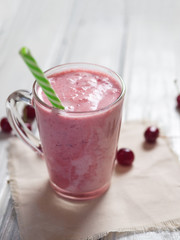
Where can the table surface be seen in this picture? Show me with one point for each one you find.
(138, 39)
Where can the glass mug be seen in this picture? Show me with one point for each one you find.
(79, 147)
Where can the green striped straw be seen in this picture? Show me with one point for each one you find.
(40, 77)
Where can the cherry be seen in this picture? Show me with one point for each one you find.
(28, 113)
(178, 101)
(151, 134)
(5, 126)
(125, 156)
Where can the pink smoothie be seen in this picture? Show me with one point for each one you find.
(80, 143)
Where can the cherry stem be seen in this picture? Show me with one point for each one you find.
(177, 85)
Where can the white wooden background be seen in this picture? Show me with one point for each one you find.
(139, 39)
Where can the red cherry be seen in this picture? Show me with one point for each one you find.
(178, 101)
(5, 126)
(125, 156)
(151, 134)
(28, 113)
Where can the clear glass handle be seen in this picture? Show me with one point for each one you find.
(13, 104)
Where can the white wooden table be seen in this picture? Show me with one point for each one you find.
(139, 39)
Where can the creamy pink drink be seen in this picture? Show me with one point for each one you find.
(80, 142)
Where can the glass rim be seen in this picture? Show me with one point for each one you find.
(123, 89)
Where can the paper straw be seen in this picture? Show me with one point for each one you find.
(40, 77)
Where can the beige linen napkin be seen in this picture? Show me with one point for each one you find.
(144, 197)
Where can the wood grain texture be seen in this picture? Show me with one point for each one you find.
(9, 227)
(137, 38)
(151, 66)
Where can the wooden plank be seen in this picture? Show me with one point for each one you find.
(151, 66)
(98, 34)
(9, 227)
